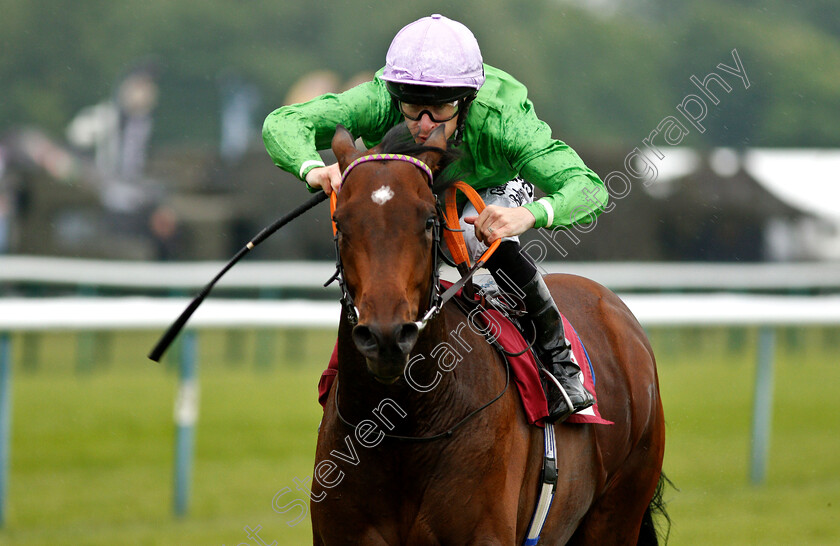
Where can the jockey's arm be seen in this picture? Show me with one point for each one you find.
(574, 193)
(293, 134)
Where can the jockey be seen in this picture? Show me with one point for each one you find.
(434, 75)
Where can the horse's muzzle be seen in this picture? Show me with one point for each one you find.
(386, 348)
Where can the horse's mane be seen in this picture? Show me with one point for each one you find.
(399, 140)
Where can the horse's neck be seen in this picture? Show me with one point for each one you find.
(435, 396)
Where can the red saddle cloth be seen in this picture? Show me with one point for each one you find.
(524, 371)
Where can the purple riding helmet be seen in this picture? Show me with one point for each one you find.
(432, 61)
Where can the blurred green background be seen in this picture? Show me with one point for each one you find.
(181, 173)
(92, 446)
(599, 71)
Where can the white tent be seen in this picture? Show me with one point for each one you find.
(806, 179)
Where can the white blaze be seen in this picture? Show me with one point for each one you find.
(382, 195)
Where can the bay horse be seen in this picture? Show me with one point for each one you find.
(445, 463)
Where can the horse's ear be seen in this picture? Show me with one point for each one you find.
(436, 140)
(343, 147)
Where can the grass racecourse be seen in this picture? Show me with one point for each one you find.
(92, 439)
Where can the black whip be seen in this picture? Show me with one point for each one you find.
(169, 336)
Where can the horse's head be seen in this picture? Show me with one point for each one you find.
(385, 220)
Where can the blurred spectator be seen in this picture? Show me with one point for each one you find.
(239, 101)
(118, 130)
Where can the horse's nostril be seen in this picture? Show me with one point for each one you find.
(373, 342)
(406, 336)
(365, 340)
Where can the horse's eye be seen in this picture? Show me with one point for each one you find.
(430, 223)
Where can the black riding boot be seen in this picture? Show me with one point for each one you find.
(566, 395)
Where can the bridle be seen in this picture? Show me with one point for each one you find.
(435, 300)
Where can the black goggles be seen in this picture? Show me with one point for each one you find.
(440, 113)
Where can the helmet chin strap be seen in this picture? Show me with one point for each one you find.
(463, 110)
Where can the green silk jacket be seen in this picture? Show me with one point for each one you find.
(502, 138)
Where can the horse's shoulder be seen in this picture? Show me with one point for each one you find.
(463, 315)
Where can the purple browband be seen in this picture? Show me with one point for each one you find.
(388, 157)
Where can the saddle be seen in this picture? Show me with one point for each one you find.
(501, 319)
(502, 312)
(507, 332)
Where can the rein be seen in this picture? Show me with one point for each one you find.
(436, 299)
(450, 219)
(451, 430)
(445, 434)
